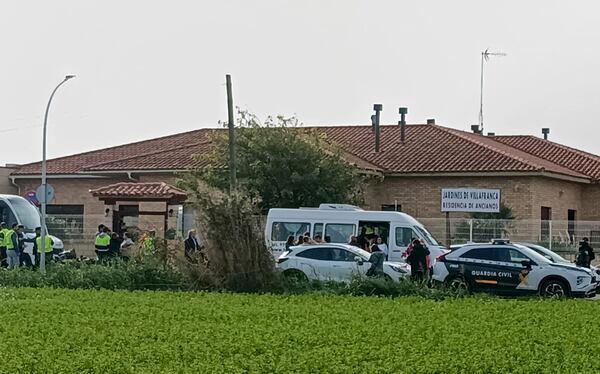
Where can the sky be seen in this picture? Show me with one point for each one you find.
(152, 68)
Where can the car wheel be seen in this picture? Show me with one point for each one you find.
(295, 275)
(554, 288)
(459, 284)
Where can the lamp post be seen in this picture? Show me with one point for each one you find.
(44, 183)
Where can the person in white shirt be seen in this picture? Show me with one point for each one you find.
(126, 246)
(382, 246)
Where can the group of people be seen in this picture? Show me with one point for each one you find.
(306, 240)
(12, 247)
(110, 244)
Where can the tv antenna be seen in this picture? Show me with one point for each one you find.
(485, 56)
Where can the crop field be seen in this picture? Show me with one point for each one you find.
(87, 331)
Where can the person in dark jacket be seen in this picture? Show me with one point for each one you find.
(192, 247)
(584, 256)
(114, 246)
(417, 259)
(289, 242)
(377, 258)
(590, 251)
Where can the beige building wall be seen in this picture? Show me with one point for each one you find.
(6, 187)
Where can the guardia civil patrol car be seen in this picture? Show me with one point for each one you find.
(506, 268)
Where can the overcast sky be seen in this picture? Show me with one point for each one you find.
(152, 68)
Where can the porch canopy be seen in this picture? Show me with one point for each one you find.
(142, 192)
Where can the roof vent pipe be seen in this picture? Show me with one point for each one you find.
(402, 122)
(475, 129)
(431, 121)
(491, 134)
(545, 131)
(375, 123)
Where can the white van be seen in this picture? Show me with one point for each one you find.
(338, 222)
(16, 209)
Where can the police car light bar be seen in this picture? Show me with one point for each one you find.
(500, 241)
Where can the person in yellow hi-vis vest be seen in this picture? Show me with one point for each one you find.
(4, 230)
(149, 243)
(102, 242)
(38, 248)
(12, 247)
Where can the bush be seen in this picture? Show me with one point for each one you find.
(133, 275)
(234, 246)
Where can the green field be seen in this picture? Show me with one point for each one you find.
(163, 332)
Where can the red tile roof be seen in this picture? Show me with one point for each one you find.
(149, 190)
(571, 158)
(427, 149)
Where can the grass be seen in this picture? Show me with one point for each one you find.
(90, 331)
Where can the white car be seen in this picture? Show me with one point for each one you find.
(505, 268)
(335, 262)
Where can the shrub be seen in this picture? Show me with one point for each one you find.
(133, 275)
(236, 253)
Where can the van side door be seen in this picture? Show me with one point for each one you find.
(402, 238)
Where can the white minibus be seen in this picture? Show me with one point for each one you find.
(336, 223)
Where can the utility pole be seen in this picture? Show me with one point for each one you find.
(230, 125)
(485, 56)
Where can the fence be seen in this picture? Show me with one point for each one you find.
(560, 236)
(78, 231)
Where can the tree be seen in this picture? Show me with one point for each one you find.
(280, 164)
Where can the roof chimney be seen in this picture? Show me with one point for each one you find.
(545, 131)
(475, 129)
(402, 122)
(431, 121)
(375, 123)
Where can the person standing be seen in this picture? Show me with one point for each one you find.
(149, 243)
(24, 258)
(191, 247)
(417, 259)
(590, 251)
(583, 256)
(363, 241)
(125, 247)
(12, 248)
(4, 230)
(38, 249)
(376, 259)
(382, 247)
(102, 243)
(114, 246)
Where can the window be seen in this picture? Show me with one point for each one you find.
(28, 214)
(426, 235)
(404, 235)
(6, 214)
(488, 254)
(572, 217)
(546, 217)
(516, 256)
(339, 232)
(339, 254)
(318, 230)
(322, 254)
(281, 230)
(65, 221)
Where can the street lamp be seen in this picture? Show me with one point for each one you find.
(44, 183)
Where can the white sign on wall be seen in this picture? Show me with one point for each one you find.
(474, 200)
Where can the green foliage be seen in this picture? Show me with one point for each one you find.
(131, 275)
(234, 245)
(85, 331)
(280, 164)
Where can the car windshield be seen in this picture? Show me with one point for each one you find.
(26, 213)
(532, 254)
(426, 235)
(547, 253)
